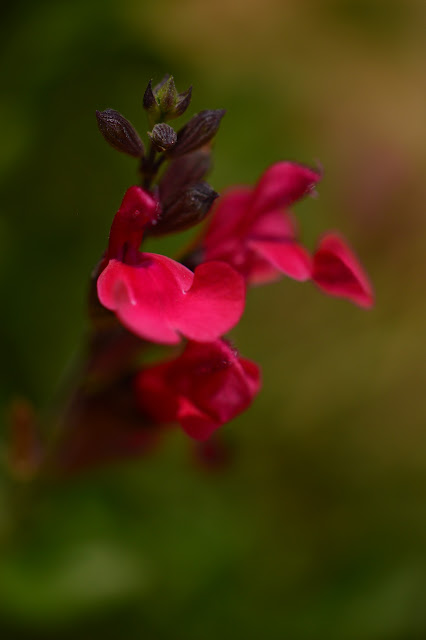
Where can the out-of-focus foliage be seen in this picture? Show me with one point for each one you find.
(318, 527)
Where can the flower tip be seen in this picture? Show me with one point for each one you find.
(338, 272)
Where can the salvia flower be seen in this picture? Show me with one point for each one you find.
(253, 230)
(206, 386)
(156, 297)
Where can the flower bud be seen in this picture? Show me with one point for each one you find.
(198, 131)
(182, 103)
(150, 104)
(182, 172)
(166, 94)
(163, 102)
(187, 210)
(163, 136)
(119, 133)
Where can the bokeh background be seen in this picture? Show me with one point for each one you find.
(317, 527)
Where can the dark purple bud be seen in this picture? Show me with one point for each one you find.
(182, 103)
(187, 210)
(198, 131)
(163, 102)
(183, 172)
(149, 101)
(163, 136)
(150, 105)
(119, 133)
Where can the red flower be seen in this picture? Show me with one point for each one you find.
(206, 386)
(250, 230)
(157, 298)
(337, 271)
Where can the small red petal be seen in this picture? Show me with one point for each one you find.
(288, 257)
(137, 210)
(227, 220)
(283, 184)
(194, 422)
(275, 225)
(337, 271)
(215, 302)
(137, 200)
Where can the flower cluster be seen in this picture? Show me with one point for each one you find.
(142, 304)
(251, 237)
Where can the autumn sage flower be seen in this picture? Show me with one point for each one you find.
(253, 230)
(206, 386)
(156, 297)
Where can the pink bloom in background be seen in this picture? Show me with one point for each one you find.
(206, 386)
(337, 271)
(251, 230)
(157, 298)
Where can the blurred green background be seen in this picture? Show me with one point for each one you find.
(318, 527)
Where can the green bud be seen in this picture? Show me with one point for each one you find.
(163, 102)
(166, 96)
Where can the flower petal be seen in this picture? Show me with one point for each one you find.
(159, 299)
(144, 297)
(204, 387)
(275, 225)
(195, 422)
(214, 303)
(227, 221)
(281, 185)
(337, 271)
(259, 271)
(289, 257)
(137, 210)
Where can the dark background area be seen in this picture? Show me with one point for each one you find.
(317, 528)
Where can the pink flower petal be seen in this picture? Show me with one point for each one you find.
(259, 271)
(274, 225)
(227, 221)
(144, 297)
(283, 184)
(252, 375)
(204, 387)
(214, 303)
(160, 299)
(140, 202)
(289, 257)
(137, 210)
(337, 271)
(194, 422)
